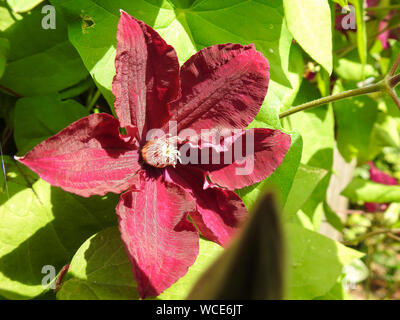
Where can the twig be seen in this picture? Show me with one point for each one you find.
(369, 235)
(93, 101)
(395, 66)
(342, 95)
(10, 91)
(394, 237)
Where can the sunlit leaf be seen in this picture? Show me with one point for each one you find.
(315, 263)
(23, 5)
(312, 33)
(368, 191)
(42, 226)
(100, 269)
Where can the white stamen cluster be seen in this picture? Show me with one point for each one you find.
(162, 152)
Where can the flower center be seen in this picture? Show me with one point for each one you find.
(161, 152)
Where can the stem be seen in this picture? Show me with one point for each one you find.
(395, 80)
(386, 85)
(393, 236)
(10, 91)
(394, 97)
(395, 66)
(92, 102)
(380, 86)
(361, 238)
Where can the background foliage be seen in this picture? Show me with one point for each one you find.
(50, 78)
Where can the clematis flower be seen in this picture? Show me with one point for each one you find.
(220, 88)
(380, 177)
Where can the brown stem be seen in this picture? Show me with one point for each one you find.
(10, 91)
(394, 237)
(369, 235)
(394, 81)
(395, 66)
(339, 96)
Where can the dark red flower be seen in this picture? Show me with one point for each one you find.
(221, 88)
(380, 177)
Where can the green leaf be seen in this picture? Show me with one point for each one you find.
(316, 127)
(281, 180)
(305, 181)
(15, 173)
(336, 293)
(77, 89)
(342, 3)
(93, 25)
(361, 30)
(23, 5)
(368, 191)
(42, 225)
(7, 17)
(353, 137)
(309, 21)
(350, 68)
(47, 116)
(280, 97)
(332, 218)
(101, 269)
(4, 48)
(40, 61)
(252, 267)
(316, 262)
(386, 129)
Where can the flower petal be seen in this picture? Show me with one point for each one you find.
(238, 158)
(88, 157)
(222, 86)
(379, 176)
(219, 212)
(161, 243)
(147, 76)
